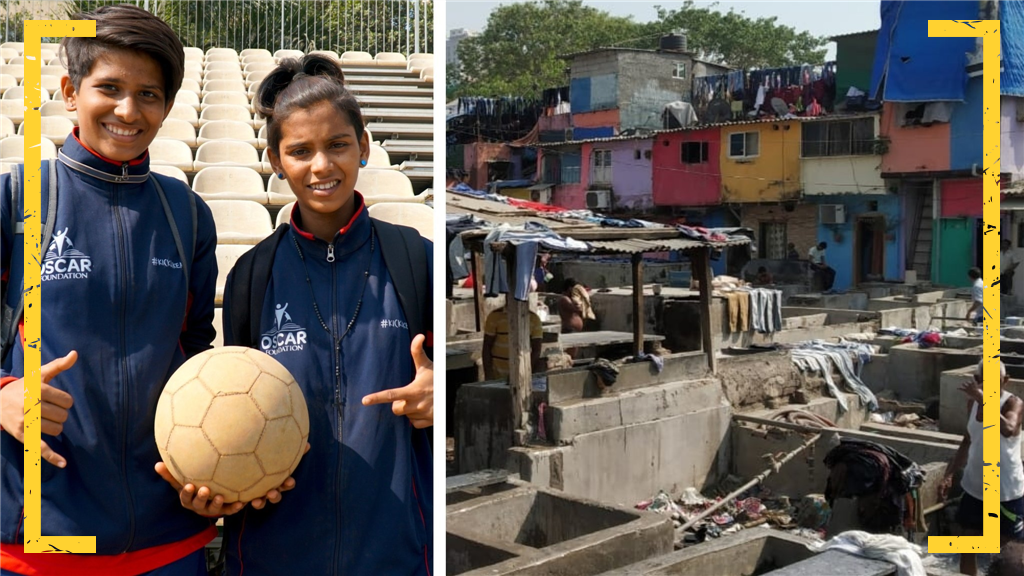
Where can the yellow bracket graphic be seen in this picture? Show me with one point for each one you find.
(35, 31)
(988, 30)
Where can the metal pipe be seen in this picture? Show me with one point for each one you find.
(757, 480)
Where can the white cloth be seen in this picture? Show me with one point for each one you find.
(816, 256)
(1005, 261)
(978, 291)
(1011, 471)
(893, 549)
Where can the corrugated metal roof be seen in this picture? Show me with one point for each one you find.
(852, 34)
(636, 246)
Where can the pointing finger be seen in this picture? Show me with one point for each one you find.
(388, 396)
(52, 457)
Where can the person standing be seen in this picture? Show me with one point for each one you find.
(1007, 267)
(818, 263)
(969, 458)
(974, 313)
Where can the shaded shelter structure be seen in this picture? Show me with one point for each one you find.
(602, 240)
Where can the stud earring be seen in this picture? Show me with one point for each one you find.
(362, 163)
(280, 175)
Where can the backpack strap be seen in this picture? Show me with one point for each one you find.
(248, 289)
(186, 264)
(12, 310)
(404, 256)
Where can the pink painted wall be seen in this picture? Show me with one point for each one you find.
(961, 197)
(1012, 136)
(913, 148)
(597, 119)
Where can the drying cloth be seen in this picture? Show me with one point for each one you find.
(739, 308)
(605, 370)
(765, 310)
(879, 477)
(893, 549)
(658, 361)
(526, 240)
(683, 113)
(1011, 17)
(581, 298)
(817, 356)
(913, 66)
(457, 258)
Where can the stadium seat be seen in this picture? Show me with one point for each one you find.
(418, 216)
(176, 129)
(235, 75)
(6, 127)
(284, 216)
(192, 85)
(224, 86)
(227, 153)
(278, 191)
(167, 170)
(255, 77)
(57, 108)
(282, 54)
(50, 82)
(9, 54)
(53, 70)
(171, 153)
(56, 128)
(265, 167)
(18, 47)
(226, 130)
(225, 98)
(378, 157)
(18, 93)
(259, 66)
(261, 138)
(218, 326)
(240, 221)
(354, 57)
(384, 185)
(229, 183)
(193, 54)
(255, 54)
(223, 66)
(188, 97)
(14, 147)
(328, 53)
(427, 75)
(16, 70)
(390, 59)
(227, 255)
(16, 60)
(221, 54)
(7, 81)
(225, 112)
(184, 112)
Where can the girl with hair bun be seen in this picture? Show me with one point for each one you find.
(361, 501)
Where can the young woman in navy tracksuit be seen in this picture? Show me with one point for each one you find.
(331, 315)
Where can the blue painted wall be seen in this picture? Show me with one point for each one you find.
(965, 129)
(579, 95)
(842, 254)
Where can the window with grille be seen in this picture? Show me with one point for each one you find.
(744, 144)
(838, 138)
(601, 167)
(773, 240)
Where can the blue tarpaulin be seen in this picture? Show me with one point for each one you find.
(1011, 18)
(909, 65)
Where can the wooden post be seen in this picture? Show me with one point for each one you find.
(638, 304)
(520, 370)
(479, 301)
(700, 264)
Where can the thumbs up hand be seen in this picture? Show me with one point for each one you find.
(53, 405)
(415, 401)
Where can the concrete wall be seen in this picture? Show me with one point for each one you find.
(478, 155)
(915, 373)
(646, 83)
(611, 273)
(771, 176)
(631, 174)
(677, 183)
(1011, 136)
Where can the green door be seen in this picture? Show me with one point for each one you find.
(954, 256)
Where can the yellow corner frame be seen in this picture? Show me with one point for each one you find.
(988, 30)
(35, 31)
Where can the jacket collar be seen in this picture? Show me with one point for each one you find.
(349, 238)
(77, 156)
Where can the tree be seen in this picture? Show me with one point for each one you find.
(742, 42)
(518, 52)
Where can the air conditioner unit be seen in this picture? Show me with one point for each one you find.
(832, 214)
(598, 199)
(568, 135)
(541, 196)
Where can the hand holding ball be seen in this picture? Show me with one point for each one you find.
(232, 419)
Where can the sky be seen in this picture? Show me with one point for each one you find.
(822, 18)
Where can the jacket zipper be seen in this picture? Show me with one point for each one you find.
(124, 363)
(339, 407)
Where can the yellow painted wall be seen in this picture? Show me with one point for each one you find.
(772, 175)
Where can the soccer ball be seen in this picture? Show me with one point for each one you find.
(234, 420)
